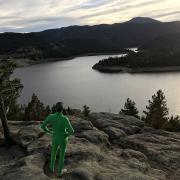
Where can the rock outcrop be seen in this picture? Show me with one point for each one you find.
(105, 147)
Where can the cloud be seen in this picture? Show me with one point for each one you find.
(172, 13)
(93, 3)
(37, 24)
(33, 15)
(123, 9)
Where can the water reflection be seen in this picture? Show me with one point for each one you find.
(75, 83)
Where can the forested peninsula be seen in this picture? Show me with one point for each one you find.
(153, 57)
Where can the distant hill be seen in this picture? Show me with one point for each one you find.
(168, 41)
(143, 20)
(133, 33)
(79, 40)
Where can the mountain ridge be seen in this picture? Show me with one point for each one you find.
(77, 40)
(143, 20)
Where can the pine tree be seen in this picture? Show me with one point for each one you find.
(64, 111)
(48, 110)
(130, 108)
(86, 111)
(9, 92)
(173, 124)
(53, 109)
(157, 111)
(16, 111)
(35, 111)
(69, 111)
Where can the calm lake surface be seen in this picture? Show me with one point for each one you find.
(75, 83)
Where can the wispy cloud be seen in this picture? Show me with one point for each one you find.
(167, 14)
(36, 15)
(123, 7)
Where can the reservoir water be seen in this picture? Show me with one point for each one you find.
(76, 84)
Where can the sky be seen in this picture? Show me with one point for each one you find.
(38, 15)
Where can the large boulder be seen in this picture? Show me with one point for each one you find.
(114, 133)
(124, 119)
(82, 149)
(39, 144)
(80, 125)
(95, 136)
(130, 125)
(30, 167)
(80, 174)
(28, 134)
(12, 154)
(106, 146)
(160, 149)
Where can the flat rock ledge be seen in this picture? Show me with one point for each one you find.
(105, 147)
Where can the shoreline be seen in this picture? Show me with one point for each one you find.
(21, 62)
(113, 69)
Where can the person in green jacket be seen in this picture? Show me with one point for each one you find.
(61, 130)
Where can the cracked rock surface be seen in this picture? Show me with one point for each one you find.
(105, 147)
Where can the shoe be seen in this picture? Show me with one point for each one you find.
(63, 172)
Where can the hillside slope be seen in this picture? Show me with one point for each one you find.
(79, 40)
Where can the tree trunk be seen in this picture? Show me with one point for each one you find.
(7, 137)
